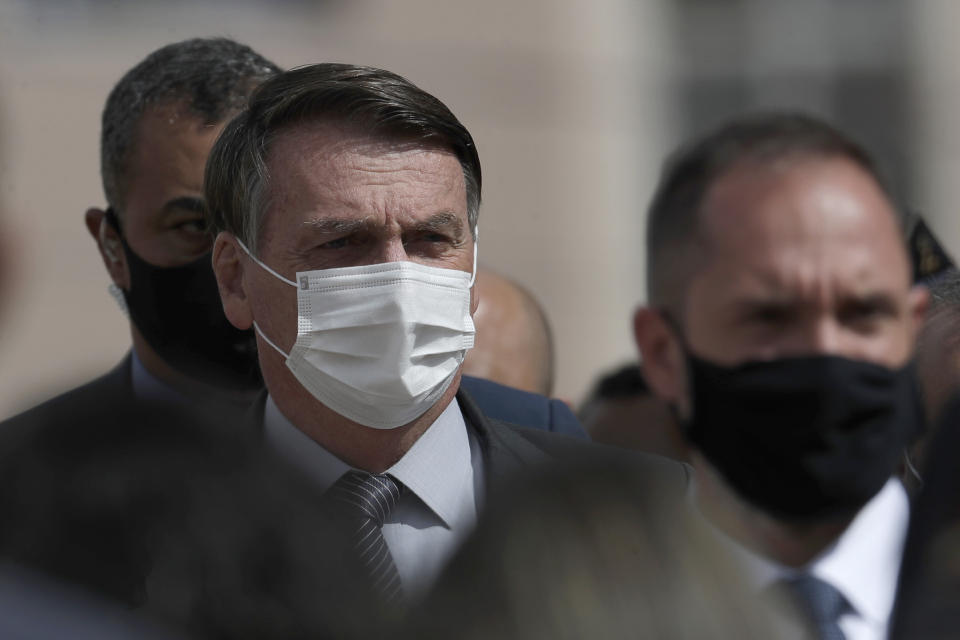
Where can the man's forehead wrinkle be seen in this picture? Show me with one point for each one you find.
(339, 225)
(441, 220)
(808, 286)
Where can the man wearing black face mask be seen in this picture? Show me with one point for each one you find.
(781, 326)
(158, 126)
(159, 123)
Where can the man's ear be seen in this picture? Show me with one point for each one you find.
(228, 266)
(110, 246)
(661, 355)
(918, 302)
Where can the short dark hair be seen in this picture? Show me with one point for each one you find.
(378, 102)
(688, 174)
(212, 77)
(626, 381)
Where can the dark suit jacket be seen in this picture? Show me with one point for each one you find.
(926, 605)
(117, 383)
(496, 400)
(522, 407)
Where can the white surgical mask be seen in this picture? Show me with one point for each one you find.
(381, 343)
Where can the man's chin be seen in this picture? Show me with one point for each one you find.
(839, 516)
(715, 488)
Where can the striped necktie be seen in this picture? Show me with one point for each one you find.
(365, 500)
(821, 602)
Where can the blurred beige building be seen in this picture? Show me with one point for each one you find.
(573, 104)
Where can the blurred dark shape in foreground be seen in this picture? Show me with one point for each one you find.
(589, 552)
(192, 525)
(929, 587)
(33, 606)
(937, 366)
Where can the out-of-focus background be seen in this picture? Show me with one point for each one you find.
(573, 104)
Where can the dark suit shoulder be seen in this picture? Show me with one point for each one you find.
(572, 451)
(522, 408)
(116, 383)
(510, 451)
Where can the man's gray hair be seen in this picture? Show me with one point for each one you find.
(211, 77)
(378, 103)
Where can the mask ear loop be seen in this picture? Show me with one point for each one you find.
(263, 266)
(911, 468)
(110, 217)
(256, 326)
(476, 241)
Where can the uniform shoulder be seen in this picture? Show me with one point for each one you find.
(558, 449)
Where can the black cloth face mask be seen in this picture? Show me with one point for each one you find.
(179, 313)
(803, 438)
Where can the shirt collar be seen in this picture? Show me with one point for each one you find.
(297, 448)
(436, 468)
(863, 563)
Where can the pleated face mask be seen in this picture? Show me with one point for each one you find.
(381, 343)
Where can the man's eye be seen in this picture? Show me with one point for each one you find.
(193, 226)
(429, 238)
(862, 313)
(770, 315)
(339, 243)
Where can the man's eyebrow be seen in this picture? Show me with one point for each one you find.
(875, 299)
(445, 220)
(338, 225)
(185, 203)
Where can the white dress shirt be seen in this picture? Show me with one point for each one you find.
(863, 564)
(444, 476)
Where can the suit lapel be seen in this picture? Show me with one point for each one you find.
(253, 417)
(505, 451)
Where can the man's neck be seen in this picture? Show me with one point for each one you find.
(787, 543)
(184, 385)
(372, 450)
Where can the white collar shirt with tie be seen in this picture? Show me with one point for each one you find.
(444, 476)
(863, 564)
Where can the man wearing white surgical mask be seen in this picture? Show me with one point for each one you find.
(347, 201)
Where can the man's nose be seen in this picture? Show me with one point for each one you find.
(824, 335)
(392, 250)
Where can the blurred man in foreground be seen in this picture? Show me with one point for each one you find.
(781, 323)
(346, 201)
